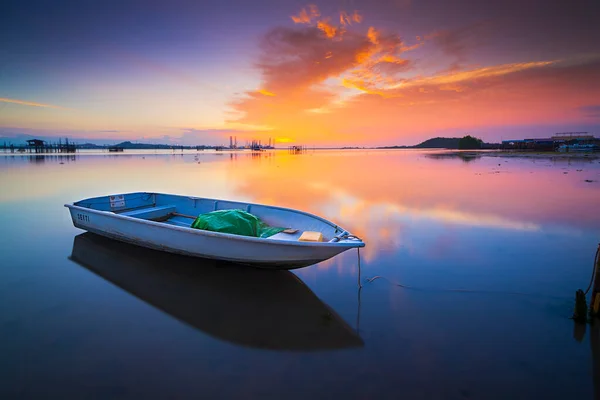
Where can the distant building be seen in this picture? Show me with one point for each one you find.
(543, 144)
(567, 136)
(35, 143)
(552, 143)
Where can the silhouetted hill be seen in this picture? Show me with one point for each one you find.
(433, 143)
(439, 143)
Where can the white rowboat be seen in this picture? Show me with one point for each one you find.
(162, 222)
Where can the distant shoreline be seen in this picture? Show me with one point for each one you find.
(439, 152)
(520, 154)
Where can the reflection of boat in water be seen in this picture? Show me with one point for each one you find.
(257, 308)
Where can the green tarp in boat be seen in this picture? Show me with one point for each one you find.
(237, 222)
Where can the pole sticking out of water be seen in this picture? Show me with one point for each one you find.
(358, 253)
(359, 290)
(595, 301)
(580, 313)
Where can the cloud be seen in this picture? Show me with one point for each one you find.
(591, 111)
(508, 95)
(298, 63)
(311, 14)
(328, 29)
(296, 57)
(457, 43)
(381, 63)
(265, 92)
(30, 103)
(340, 83)
(458, 82)
(307, 15)
(455, 78)
(348, 19)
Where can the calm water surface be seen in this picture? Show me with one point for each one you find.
(83, 317)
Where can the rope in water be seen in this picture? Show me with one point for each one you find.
(369, 280)
(374, 278)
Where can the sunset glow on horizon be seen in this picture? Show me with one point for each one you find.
(326, 74)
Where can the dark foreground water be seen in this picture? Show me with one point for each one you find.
(86, 317)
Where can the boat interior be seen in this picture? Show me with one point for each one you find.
(181, 211)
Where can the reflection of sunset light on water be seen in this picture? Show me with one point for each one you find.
(397, 201)
(391, 199)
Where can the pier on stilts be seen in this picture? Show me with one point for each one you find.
(297, 149)
(37, 146)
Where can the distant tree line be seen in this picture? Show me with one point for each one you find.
(469, 143)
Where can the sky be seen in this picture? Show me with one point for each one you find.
(329, 73)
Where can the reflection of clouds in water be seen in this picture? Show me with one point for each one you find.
(342, 265)
(351, 207)
(383, 226)
(365, 221)
(461, 217)
(406, 205)
(444, 243)
(345, 264)
(100, 175)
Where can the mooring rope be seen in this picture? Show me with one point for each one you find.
(452, 290)
(374, 278)
(370, 280)
(358, 253)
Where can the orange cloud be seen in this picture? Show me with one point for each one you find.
(389, 58)
(373, 35)
(298, 58)
(265, 92)
(30, 103)
(453, 87)
(329, 30)
(544, 95)
(472, 75)
(387, 86)
(348, 19)
(341, 84)
(311, 16)
(296, 62)
(307, 16)
(379, 64)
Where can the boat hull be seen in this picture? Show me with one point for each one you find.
(263, 253)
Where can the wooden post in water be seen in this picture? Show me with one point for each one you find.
(595, 348)
(595, 301)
